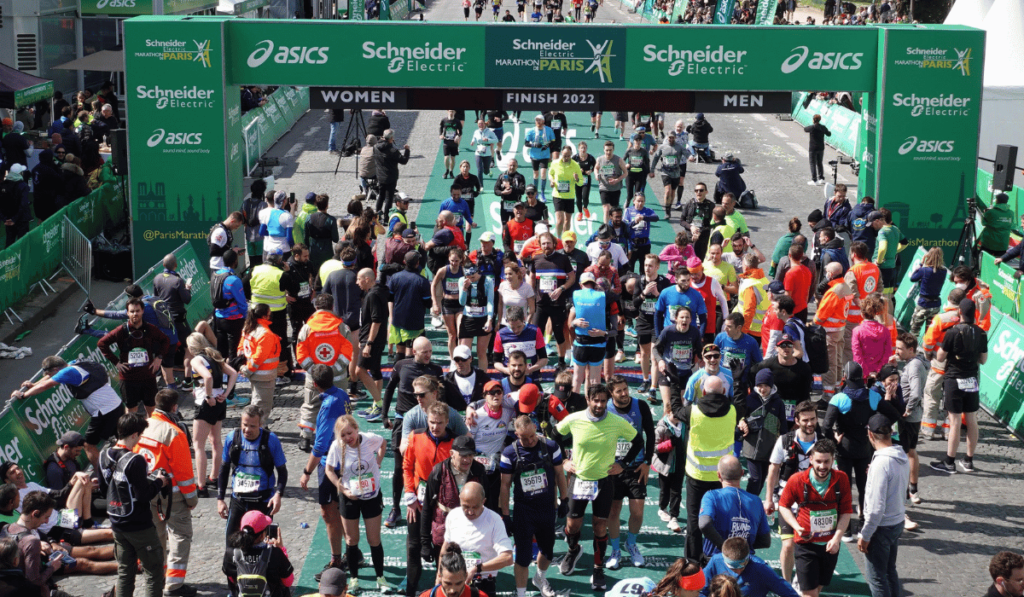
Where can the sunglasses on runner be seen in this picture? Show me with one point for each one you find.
(420, 394)
(460, 360)
(712, 356)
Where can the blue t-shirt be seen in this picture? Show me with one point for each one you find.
(530, 462)
(669, 302)
(232, 290)
(542, 137)
(249, 461)
(738, 355)
(593, 307)
(641, 230)
(460, 208)
(690, 393)
(736, 513)
(334, 403)
(757, 580)
(409, 290)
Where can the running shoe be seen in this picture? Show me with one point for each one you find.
(437, 322)
(365, 412)
(384, 586)
(614, 561)
(966, 465)
(634, 553)
(238, 401)
(282, 381)
(586, 213)
(331, 564)
(403, 586)
(943, 467)
(597, 581)
(664, 516)
(813, 183)
(620, 356)
(631, 331)
(579, 218)
(678, 205)
(376, 414)
(652, 396)
(542, 584)
(83, 323)
(646, 387)
(568, 565)
(909, 525)
(353, 585)
(305, 445)
(915, 497)
(392, 520)
(673, 525)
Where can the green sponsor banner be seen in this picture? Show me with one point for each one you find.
(930, 102)
(844, 125)
(176, 84)
(184, 7)
(357, 10)
(1002, 375)
(250, 5)
(385, 11)
(570, 58)
(1004, 285)
(127, 8)
(33, 94)
(765, 12)
(313, 53)
(723, 11)
(16, 445)
(745, 57)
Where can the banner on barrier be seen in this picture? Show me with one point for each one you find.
(1002, 375)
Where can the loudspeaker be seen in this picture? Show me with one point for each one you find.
(119, 150)
(1006, 163)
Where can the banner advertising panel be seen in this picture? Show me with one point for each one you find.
(574, 58)
(765, 13)
(930, 102)
(723, 12)
(179, 164)
(117, 8)
(1002, 375)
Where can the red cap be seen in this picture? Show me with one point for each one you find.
(528, 397)
(491, 385)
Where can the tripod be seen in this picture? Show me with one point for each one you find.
(355, 134)
(966, 250)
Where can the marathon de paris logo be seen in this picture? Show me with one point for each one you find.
(601, 63)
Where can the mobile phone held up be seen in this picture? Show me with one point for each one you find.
(272, 531)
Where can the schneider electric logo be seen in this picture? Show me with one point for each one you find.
(286, 54)
(431, 58)
(189, 97)
(557, 55)
(198, 51)
(938, 58)
(941, 105)
(705, 61)
(821, 60)
(928, 150)
(169, 142)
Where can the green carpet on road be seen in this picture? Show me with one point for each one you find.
(659, 545)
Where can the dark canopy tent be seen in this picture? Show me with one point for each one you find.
(18, 89)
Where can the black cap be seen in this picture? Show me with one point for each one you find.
(879, 423)
(887, 371)
(464, 445)
(133, 290)
(71, 438)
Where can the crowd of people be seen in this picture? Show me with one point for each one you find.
(490, 457)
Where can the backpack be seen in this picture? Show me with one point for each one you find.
(251, 577)
(164, 321)
(816, 345)
(251, 208)
(266, 458)
(748, 200)
(217, 291)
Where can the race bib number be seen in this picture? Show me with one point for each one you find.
(476, 311)
(671, 160)
(421, 492)
(648, 305)
(449, 135)
(548, 283)
(247, 483)
(556, 124)
(608, 169)
(636, 161)
(451, 285)
(584, 490)
(488, 462)
(472, 558)
(362, 485)
(672, 310)
(823, 523)
(681, 354)
(790, 411)
(509, 206)
(304, 290)
(563, 186)
(517, 246)
(68, 518)
(534, 483)
(967, 385)
(138, 357)
(622, 448)
(468, 193)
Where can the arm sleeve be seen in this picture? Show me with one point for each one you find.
(282, 479)
(883, 247)
(647, 424)
(389, 391)
(707, 528)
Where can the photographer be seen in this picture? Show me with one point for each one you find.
(129, 493)
(998, 223)
(257, 552)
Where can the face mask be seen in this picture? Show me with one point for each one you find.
(962, 285)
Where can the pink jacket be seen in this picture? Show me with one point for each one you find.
(671, 255)
(872, 346)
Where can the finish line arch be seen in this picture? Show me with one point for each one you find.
(922, 88)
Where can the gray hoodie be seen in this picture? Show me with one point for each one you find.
(888, 476)
(915, 373)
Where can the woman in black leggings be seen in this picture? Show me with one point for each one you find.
(639, 165)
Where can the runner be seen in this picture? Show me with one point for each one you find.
(450, 129)
(611, 171)
(639, 219)
(595, 436)
(518, 343)
(539, 140)
(587, 163)
(676, 297)
(554, 275)
(592, 324)
(632, 481)
(532, 468)
(650, 285)
(730, 512)
(736, 567)
(476, 295)
(489, 428)
(672, 156)
(824, 507)
(510, 188)
(566, 178)
(675, 355)
(480, 531)
(445, 290)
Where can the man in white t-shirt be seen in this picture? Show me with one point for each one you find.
(489, 429)
(480, 532)
(276, 225)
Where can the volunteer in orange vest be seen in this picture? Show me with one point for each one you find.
(322, 340)
(165, 446)
(832, 313)
(863, 278)
(714, 297)
(753, 297)
(262, 350)
(977, 291)
(933, 420)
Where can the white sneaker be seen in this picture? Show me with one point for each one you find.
(915, 497)
(796, 584)
(437, 322)
(673, 525)
(908, 524)
(821, 182)
(634, 552)
(812, 183)
(614, 560)
(664, 516)
(542, 584)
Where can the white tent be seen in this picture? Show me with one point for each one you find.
(1003, 101)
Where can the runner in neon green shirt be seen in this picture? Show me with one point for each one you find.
(595, 436)
(564, 175)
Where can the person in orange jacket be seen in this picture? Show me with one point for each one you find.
(863, 278)
(165, 446)
(934, 419)
(977, 291)
(322, 340)
(423, 450)
(832, 313)
(262, 350)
